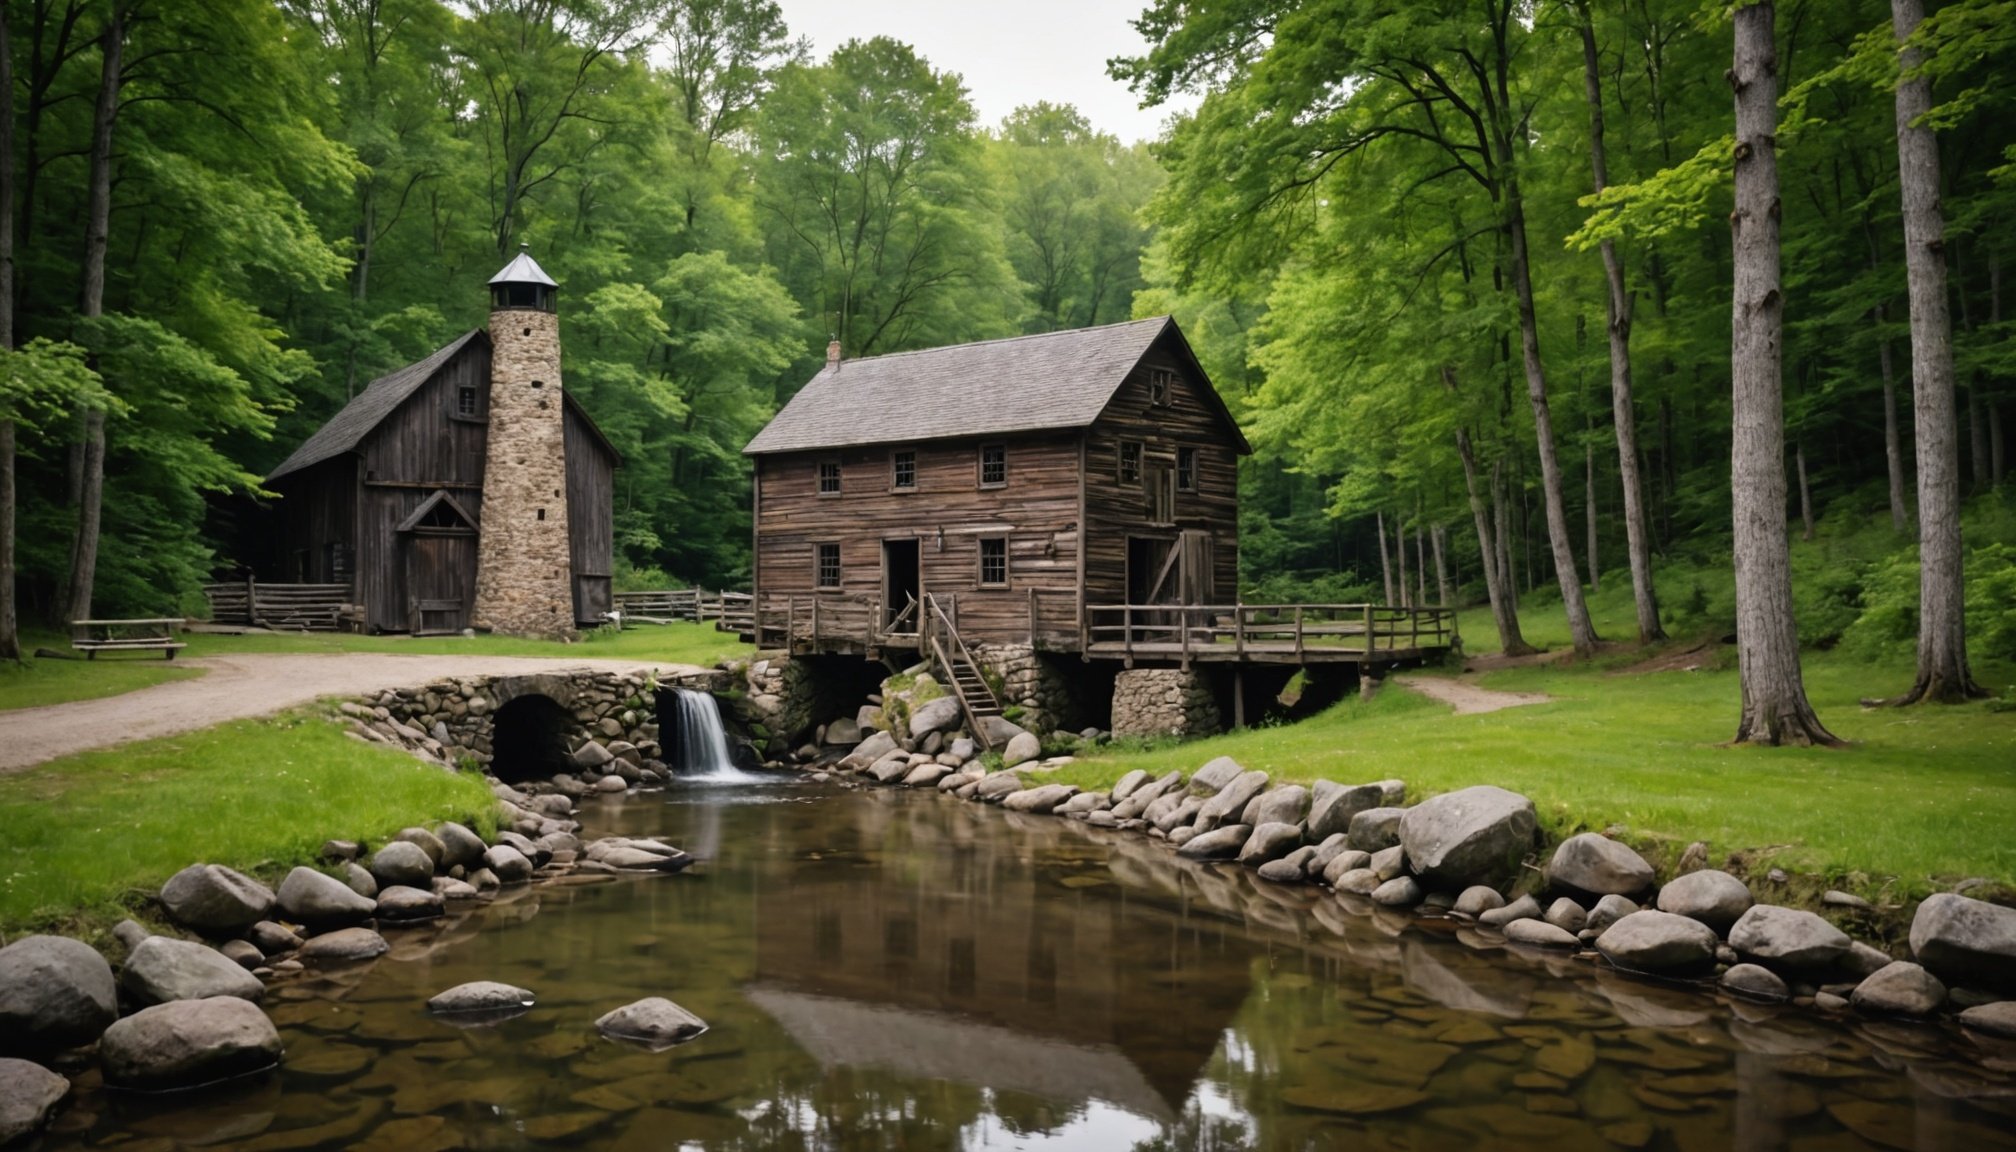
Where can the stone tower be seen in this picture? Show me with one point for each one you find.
(524, 582)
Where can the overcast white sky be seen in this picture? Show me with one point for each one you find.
(1009, 53)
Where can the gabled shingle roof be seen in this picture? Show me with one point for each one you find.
(1054, 380)
(368, 408)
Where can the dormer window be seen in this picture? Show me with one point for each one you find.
(829, 478)
(993, 465)
(1161, 385)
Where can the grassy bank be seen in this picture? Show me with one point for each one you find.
(39, 682)
(1922, 794)
(82, 839)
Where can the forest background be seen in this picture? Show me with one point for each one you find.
(229, 216)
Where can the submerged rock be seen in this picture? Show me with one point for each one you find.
(163, 969)
(1399, 892)
(1756, 982)
(345, 945)
(215, 900)
(1540, 934)
(1966, 941)
(55, 993)
(1038, 800)
(1997, 1019)
(484, 996)
(1468, 836)
(185, 1043)
(29, 1094)
(654, 1021)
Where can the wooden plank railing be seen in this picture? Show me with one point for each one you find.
(296, 607)
(727, 611)
(1276, 629)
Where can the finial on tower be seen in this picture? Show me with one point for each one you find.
(833, 352)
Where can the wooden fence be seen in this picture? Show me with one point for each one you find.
(287, 607)
(727, 611)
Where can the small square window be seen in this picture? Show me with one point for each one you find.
(994, 563)
(903, 470)
(1161, 385)
(1129, 471)
(1186, 469)
(993, 465)
(465, 400)
(828, 575)
(829, 477)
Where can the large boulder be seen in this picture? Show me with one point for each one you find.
(1608, 911)
(1716, 899)
(189, 1042)
(1470, 836)
(344, 946)
(940, 715)
(1594, 865)
(215, 900)
(1040, 799)
(320, 901)
(428, 842)
(1270, 842)
(1788, 940)
(1374, 829)
(1213, 777)
(1288, 804)
(1900, 988)
(1023, 748)
(996, 785)
(1996, 1019)
(1540, 934)
(1230, 800)
(1661, 943)
(508, 864)
(55, 993)
(29, 1094)
(460, 847)
(1125, 786)
(999, 730)
(400, 903)
(654, 1021)
(843, 732)
(163, 968)
(402, 863)
(1333, 805)
(1966, 941)
(1217, 844)
(873, 748)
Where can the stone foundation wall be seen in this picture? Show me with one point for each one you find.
(784, 696)
(1031, 683)
(1163, 702)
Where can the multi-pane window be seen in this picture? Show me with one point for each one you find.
(465, 400)
(828, 574)
(993, 465)
(1186, 469)
(829, 477)
(994, 561)
(1161, 385)
(1129, 472)
(903, 470)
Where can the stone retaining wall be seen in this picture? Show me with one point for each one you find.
(1164, 702)
(1031, 683)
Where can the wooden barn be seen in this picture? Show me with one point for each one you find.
(388, 496)
(1010, 485)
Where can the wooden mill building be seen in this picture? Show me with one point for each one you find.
(389, 497)
(1012, 483)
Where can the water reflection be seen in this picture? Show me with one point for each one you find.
(888, 969)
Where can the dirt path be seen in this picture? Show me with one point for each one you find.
(253, 684)
(1467, 698)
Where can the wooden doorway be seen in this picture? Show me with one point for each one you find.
(1177, 573)
(902, 586)
(437, 546)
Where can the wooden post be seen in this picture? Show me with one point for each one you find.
(1368, 628)
(251, 601)
(815, 620)
(790, 619)
(1183, 637)
(954, 597)
(1239, 630)
(1127, 631)
(1298, 631)
(1238, 696)
(1032, 616)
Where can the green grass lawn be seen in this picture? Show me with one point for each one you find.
(39, 682)
(1922, 793)
(82, 838)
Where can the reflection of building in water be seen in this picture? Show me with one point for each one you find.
(994, 972)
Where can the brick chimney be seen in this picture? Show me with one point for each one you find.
(833, 352)
(524, 577)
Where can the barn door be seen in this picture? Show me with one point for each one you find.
(437, 546)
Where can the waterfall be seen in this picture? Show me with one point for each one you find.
(700, 751)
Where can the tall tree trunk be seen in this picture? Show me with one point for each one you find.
(1503, 615)
(1420, 568)
(1400, 555)
(1995, 454)
(1775, 709)
(1581, 632)
(1385, 564)
(1438, 536)
(1893, 447)
(10, 621)
(91, 304)
(1589, 509)
(1637, 533)
(1508, 576)
(1943, 674)
(1805, 493)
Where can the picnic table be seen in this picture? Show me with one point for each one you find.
(94, 636)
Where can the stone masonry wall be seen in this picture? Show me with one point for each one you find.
(1031, 683)
(1163, 702)
(524, 582)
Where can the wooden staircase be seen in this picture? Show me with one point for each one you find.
(962, 674)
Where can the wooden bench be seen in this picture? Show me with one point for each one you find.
(94, 636)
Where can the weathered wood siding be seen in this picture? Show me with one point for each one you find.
(1116, 511)
(422, 446)
(1036, 511)
(316, 512)
(591, 495)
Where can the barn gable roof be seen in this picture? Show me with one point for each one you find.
(346, 430)
(365, 411)
(1049, 381)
